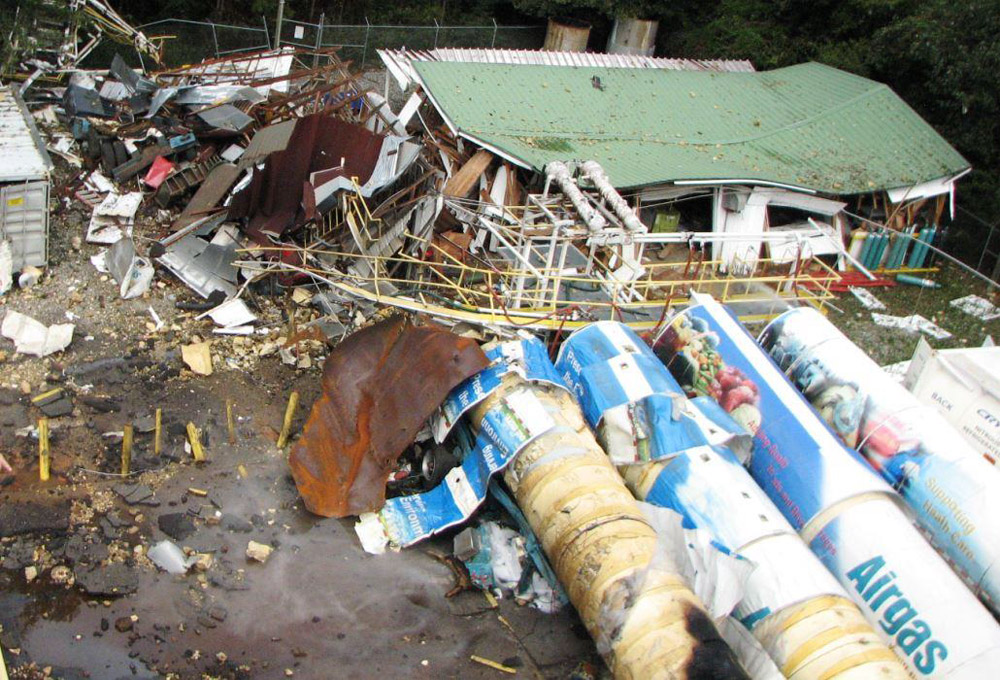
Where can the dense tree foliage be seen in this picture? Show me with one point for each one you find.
(942, 57)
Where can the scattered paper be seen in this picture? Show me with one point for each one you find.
(912, 324)
(113, 218)
(978, 307)
(231, 313)
(866, 298)
(33, 337)
(897, 371)
(198, 357)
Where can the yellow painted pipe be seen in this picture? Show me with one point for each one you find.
(195, 440)
(127, 451)
(293, 402)
(645, 620)
(43, 449)
(156, 436)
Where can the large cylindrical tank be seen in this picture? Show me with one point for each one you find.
(633, 36)
(792, 604)
(953, 491)
(566, 35)
(850, 517)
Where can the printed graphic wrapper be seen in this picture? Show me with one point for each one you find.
(953, 492)
(847, 513)
(609, 368)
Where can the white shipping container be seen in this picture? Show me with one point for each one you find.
(24, 183)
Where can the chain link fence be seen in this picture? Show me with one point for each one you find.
(358, 43)
(188, 42)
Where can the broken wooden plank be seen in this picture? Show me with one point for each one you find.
(467, 177)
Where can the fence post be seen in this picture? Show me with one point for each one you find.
(437, 29)
(493, 43)
(277, 30)
(364, 51)
(986, 248)
(319, 38)
(215, 39)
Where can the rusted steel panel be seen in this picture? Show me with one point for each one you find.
(273, 200)
(379, 387)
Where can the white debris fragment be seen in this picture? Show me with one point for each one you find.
(913, 324)
(234, 330)
(171, 559)
(981, 308)
(29, 277)
(157, 321)
(100, 261)
(33, 337)
(231, 313)
(866, 298)
(258, 552)
(114, 217)
(99, 183)
(6, 267)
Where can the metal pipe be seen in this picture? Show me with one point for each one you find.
(559, 171)
(595, 173)
(277, 32)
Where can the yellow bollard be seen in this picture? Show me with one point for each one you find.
(127, 451)
(199, 453)
(293, 402)
(156, 435)
(229, 421)
(43, 449)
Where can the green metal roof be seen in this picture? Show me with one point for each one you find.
(809, 126)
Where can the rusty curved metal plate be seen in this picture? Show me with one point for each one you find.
(379, 387)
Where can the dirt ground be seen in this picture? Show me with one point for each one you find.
(891, 345)
(79, 598)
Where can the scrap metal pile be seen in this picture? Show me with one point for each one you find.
(282, 164)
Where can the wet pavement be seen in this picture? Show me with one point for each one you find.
(319, 607)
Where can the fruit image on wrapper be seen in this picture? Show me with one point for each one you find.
(689, 345)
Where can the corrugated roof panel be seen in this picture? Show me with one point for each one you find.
(22, 153)
(402, 60)
(807, 126)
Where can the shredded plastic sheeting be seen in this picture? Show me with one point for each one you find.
(33, 337)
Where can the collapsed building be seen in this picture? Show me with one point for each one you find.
(517, 188)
